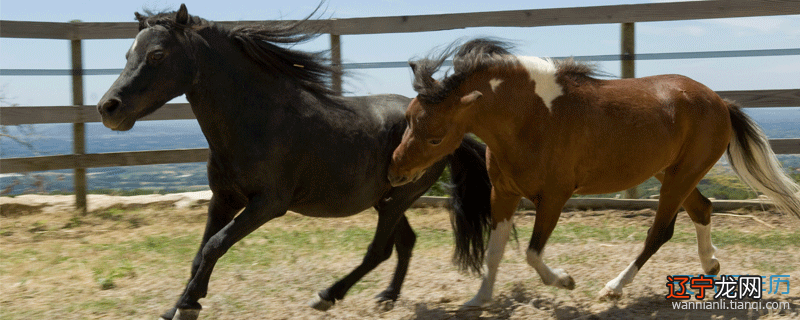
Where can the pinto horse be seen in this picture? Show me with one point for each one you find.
(553, 129)
(280, 139)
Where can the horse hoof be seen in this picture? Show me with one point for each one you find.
(320, 304)
(186, 314)
(714, 270)
(475, 303)
(385, 301)
(567, 283)
(608, 294)
(562, 280)
(385, 305)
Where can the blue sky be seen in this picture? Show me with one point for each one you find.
(698, 35)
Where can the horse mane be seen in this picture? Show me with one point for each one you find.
(468, 58)
(474, 56)
(311, 70)
(578, 70)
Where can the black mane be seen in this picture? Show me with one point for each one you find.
(473, 56)
(312, 71)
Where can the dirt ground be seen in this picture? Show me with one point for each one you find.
(131, 263)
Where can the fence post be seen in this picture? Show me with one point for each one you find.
(336, 62)
(78, 129)
(628, 63)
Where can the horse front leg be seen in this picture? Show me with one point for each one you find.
(221, 210)
(548, 210)
(503, 208)
(259, 210)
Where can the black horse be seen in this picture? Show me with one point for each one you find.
(280, 140)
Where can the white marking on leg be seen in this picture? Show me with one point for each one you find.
(543, 73)
(497, 246)
(614, 287)
(705, 249)
(495, 83)
(186, 314)
(553, 277)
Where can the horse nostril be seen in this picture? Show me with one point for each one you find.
(109, 106)
(397, 181)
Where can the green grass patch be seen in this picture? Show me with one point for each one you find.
(582, 233)
(774, 240)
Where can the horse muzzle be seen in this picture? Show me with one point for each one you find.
(112, 115)
(399, 180)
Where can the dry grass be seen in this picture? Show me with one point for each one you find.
(132, 264)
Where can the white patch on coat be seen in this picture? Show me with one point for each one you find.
(543, 73)
(495, 83)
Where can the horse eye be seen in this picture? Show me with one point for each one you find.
(157, 55)
(434, 142)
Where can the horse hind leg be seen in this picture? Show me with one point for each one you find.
(699, 209)
(677, 187)
(392, 228)
(404, 240)
(378, 251)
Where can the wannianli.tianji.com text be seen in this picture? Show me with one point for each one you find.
(731, 305)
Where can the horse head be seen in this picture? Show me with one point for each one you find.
(160, 66)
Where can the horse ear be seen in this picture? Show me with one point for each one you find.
(182, 16)
(471, 97)
(413, 65)
(142, 20)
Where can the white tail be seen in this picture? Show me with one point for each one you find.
(754, 161)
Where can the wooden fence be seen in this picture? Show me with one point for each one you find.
(78, 114)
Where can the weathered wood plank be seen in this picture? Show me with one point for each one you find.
(35, 30)
(139, 158)
(606, 203)
(78, 129)
(647, 12)
(13, 116)
(106, 30)
(182, 111)
(785, 146)
(764, 98)
(10, 116)
(98, 160)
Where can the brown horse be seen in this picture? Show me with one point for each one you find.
(553, 130)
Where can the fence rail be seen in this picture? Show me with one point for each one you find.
(649, 12)
(404, 64)
(614, 14)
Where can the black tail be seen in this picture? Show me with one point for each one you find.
(471, 215)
